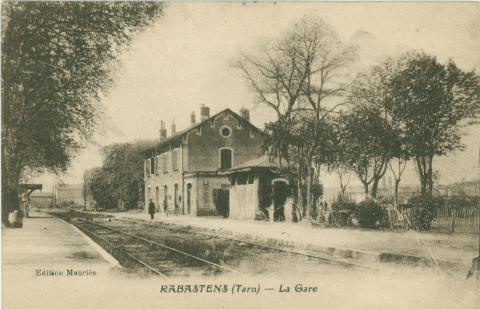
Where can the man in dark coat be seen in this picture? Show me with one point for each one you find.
(151, 208)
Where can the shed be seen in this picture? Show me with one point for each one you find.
(255, 188)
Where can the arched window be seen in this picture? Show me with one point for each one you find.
(189, 197)
(226, 158)
(175, 190)
(157, 197)
(165, 196)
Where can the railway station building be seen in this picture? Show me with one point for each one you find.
(183, 169)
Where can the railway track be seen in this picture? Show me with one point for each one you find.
(301, 253)
(174, 251)
(160, 259)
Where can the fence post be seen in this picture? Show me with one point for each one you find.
(453, 220)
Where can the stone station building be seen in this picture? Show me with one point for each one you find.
(182, 170)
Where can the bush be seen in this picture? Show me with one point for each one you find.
(368, 213)
(423, 212)
(462, 202)
(342, 203)
(67, 204)
(221, 199)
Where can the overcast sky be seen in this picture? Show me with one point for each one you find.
(184, 61)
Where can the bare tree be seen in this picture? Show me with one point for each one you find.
(302, 72)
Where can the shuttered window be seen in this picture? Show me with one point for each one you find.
(157, 167)
(175, 160)
(147, 167)
(152, 166)
(165, 163)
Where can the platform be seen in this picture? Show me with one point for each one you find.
(48, 255)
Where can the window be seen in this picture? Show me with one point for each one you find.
(226, 131)
(175, 196)
(251, 134)
(225, 158)
(152, 166)
(165, 163)
(165, 197)
(157, 167)
(174, 160)
(160, 164)
(147, 167)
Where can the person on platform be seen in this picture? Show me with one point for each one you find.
(151, 209)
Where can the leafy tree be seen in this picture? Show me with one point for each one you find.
(57, 60)
(121, 175)
(432, 102)
(286, 140)
(100, 189)
(338, 162)
(369, 143)
(372, 132)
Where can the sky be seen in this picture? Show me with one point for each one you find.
(184, 61)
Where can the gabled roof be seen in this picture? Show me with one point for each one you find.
(182, 133)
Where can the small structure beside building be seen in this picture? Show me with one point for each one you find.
(42, 200)
(72, 194)
(26, 190)
(256, 192)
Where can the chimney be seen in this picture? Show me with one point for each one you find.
(174, 127)
(204, 113)
(192, 119)
(163, 131)
(245, 113)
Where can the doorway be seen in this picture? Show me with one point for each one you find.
(280, 193)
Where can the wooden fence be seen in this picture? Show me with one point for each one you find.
(446, 220)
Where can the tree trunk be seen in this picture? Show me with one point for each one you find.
(309, 194)
(10, 180)
(343, 188)
(430, 176)
(299, 191)
(365, 186)
(376, 180)
(422, 175)
(395, 197)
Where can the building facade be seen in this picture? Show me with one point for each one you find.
(68, 193)
(182, 170)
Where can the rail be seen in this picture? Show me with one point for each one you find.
(168, 248)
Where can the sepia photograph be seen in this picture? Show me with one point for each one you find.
(241, 155)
